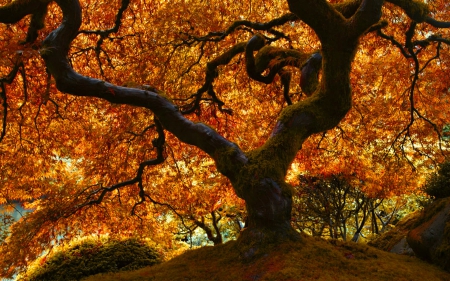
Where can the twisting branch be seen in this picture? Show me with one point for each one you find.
(274, 59)
(5, 109)
(268, 57)
(117, 23)
(410, 50)
(104, 34)
(18, 9)
(225, 58)
(240, 24)
(212, 73)
(100, 193)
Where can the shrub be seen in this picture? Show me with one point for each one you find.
(6, 221)
(92, 257)
(438, 184)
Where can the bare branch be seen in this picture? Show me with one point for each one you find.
(100, 193)
(104, 33)
(220, 35)
(394, 42)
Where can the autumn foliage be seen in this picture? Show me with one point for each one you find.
(154, 118)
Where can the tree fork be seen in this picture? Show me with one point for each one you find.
(268, 197)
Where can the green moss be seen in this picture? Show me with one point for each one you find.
(431, 210)
(441, 256)
(92, 257)
(309, 259)
(442, 253)
(270, 56)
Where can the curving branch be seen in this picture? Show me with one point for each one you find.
(117, 23)
(274, 59)
(18, 9)
(99, 194)
(211, 74)
(436, 23)
(54, 52)
(240, 24)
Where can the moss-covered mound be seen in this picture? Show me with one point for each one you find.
(388, 241)
(92, 257)
(430, 239)
(310, 259)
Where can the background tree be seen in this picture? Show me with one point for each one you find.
(105, 106)
(335, 206)
(437, 184)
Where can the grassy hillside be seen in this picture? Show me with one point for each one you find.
(311, 259)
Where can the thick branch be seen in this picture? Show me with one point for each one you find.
(332, 99)
(436, 23)
(54, 52)
(312, 13)
(17, 10)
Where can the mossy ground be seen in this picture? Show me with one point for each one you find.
(309, 259)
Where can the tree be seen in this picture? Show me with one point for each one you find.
(335, 206)
(79, 152)
(437, 184)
